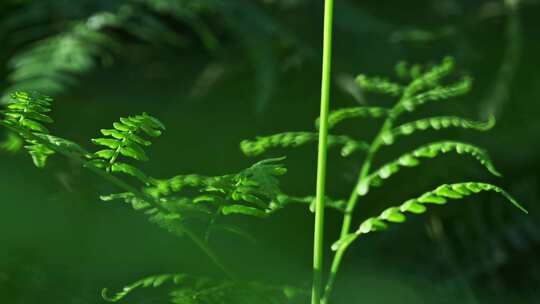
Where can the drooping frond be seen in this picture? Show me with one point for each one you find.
(436, 123)
(262, 144)
(431, 150)
(28, 113)
(439, 196)
(339, 115)
(202, 290)
(126, 139)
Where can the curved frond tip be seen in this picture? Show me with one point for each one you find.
(439, 196)
(431, 150)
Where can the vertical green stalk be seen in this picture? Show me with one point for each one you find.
(318, 245)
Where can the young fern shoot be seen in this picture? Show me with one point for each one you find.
(424, 85)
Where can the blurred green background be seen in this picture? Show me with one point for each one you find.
(216, 72)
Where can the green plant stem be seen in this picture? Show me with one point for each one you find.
(318, 240)
(127, 187)
(351, 204)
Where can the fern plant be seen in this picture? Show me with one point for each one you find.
(420, 85)
(181, 204)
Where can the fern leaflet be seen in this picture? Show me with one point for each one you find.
(432, 150)
(436, 123)
(295, 139)
(439, 196)
(125, 139)
(28, 112)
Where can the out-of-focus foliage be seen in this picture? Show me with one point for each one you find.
(53, 42)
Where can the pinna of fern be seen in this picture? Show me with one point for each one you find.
(203, 290)
(29, 111)
(423, 85)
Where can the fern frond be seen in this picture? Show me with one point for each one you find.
(379, 85)
(203, 290)
(439, 196)
(431, 78)
(339, 115)
(51, 64)
(126, 139)
(436, 123)
(253, 191)
(29, 113)
(410, 102)
(431, 150)
(152, 281)
(262, 144)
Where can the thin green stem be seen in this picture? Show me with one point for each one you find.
(126, 187)
(318, 244)
(351, 204)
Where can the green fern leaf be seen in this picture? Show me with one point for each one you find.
(409, 104)
(439, 196)
(379, 85)
(107, 142)
(148, 282)
(281, 140)
(430, 79)
(244, 210)
(337, 116)
(295, 139)
(27, 112)
(436, 123)
(126, 140)
(432, 150)
(130, 170)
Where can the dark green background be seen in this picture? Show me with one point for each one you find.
(60, 244)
